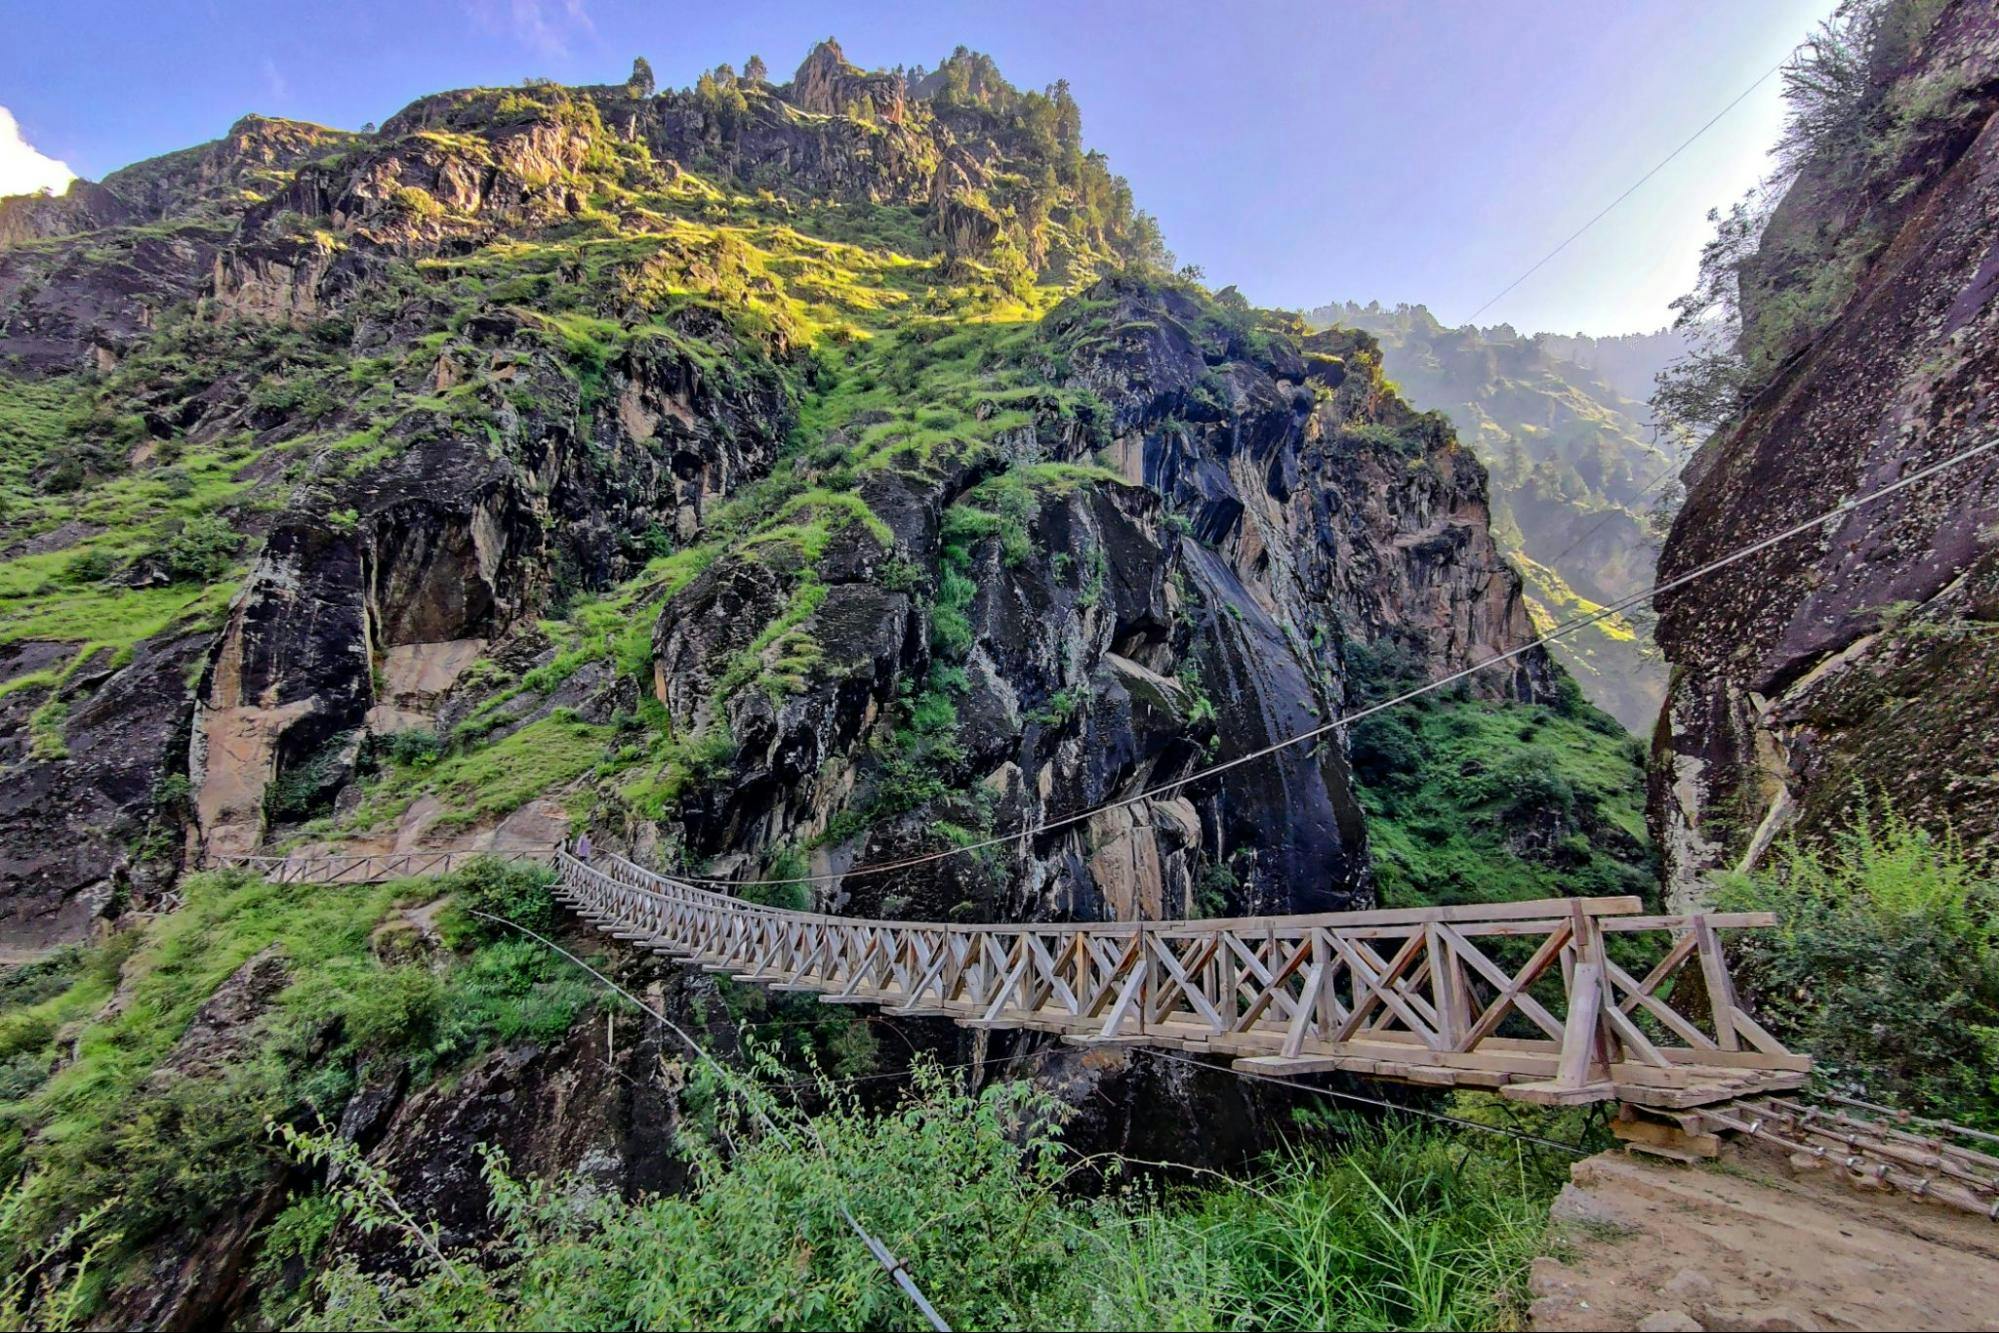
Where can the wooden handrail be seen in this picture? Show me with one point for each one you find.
(1395, 993)
(1401, 993)
(373, 867)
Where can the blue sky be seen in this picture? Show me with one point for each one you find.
(1306, 152)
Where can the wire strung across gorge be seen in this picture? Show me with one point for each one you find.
(1163, 789)
(896, 1268)
(1605, 212)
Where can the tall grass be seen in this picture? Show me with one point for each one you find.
(1395, 1227)
(1398, 1227)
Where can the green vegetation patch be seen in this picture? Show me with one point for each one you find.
(1884, 964)
(485, 782)
(148, 1118)
(1396, 1228)
(1474, 801)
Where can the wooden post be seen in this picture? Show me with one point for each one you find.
(1447, 984)
(1579, 1032)
(1720, 990)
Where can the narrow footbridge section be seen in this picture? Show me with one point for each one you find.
(1556, 1001)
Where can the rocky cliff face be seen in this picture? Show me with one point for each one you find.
(807, 527)
(1577, 475)
(1856, 663)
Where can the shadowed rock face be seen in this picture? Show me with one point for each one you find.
(1858, 661)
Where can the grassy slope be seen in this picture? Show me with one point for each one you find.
(89, 1115)
(1470, 801)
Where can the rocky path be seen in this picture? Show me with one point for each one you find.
(1747, 1244)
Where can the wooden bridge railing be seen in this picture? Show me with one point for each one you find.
(1408, 994)
(374, 867)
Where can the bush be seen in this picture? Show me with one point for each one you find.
(523, 894)
(91, 566)
(1883, 965)
(202, 550)
(1384, 748)
(411, 202)
(418, 748)
(1404, 1228)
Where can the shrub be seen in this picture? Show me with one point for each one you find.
(202, 550)
(418, 747)
(1404, 1228)
(523, 894)
(1884, 964)
(411, 202)
(1384, 748)
(92, 566)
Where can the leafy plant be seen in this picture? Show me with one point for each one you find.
(1399, 1228)
(521, 893)
(1884, 964)
(202, 550)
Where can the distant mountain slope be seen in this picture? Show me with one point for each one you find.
(1560, 421)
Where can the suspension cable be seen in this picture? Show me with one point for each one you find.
(896, 1268)
(1605, 212)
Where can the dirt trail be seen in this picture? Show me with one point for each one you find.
(1747, 1244)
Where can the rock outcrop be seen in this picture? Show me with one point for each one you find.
(1277, 505)
(1858, 663)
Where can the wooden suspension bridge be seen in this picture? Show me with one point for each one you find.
(1410, 995)
(1556, 1001)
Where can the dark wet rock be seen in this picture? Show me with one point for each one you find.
(82, 303)
(593, 1105)
(71, 826)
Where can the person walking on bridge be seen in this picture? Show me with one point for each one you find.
(583, 846)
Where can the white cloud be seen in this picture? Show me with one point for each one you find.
(22, 169)
(276, 86)
(543, 26)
